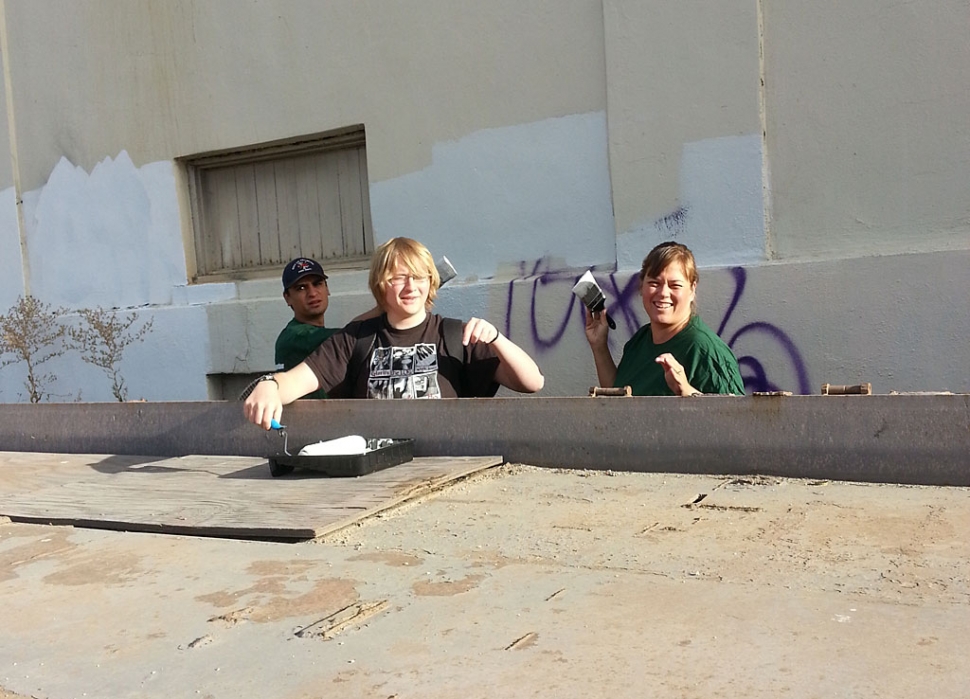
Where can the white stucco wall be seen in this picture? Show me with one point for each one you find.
(6, 165)
(105, 238)
(11, 266)
(868, 133)
(683, 106)
(500, 196)
(169, 79)
(720, 206)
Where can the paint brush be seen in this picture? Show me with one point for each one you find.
(445, 269)
(590, 293)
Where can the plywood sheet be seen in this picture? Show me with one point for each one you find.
(208, 495)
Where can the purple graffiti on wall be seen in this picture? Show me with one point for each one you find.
(758, 380)
(625, 307)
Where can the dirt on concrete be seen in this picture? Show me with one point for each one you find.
(519, 582)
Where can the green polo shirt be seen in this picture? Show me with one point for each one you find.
(710, 365)
(296, 342)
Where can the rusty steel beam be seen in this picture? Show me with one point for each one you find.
(917, 439)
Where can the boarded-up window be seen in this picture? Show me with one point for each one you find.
(259, 207)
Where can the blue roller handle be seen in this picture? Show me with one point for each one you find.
(275, 425)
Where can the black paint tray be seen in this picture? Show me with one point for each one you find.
(399, 451)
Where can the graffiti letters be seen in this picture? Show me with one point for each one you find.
(553, 310)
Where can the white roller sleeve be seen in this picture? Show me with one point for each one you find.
(342, 446)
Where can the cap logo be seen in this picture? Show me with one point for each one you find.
(298, 268)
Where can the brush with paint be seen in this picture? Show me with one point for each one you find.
(445, 270)
(592, 296)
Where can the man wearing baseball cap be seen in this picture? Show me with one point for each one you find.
(305, 292)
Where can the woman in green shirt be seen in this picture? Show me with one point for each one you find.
(676, 354)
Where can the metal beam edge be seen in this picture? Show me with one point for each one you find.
(921, 440)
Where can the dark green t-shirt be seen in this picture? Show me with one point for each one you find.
(710, 365)
(295, 343)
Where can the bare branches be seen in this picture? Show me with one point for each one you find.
(101, 339)
(32, 333)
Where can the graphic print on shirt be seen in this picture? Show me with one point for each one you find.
(404, 372)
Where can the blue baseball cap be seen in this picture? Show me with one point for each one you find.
(299, 268)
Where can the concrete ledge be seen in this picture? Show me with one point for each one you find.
(899, 439)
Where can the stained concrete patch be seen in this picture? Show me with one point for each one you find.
(284, 568)
(390, 558)
(88, 569)
(624, 586)
(272, 600)
(4, 694)
(446, 588)
(41, 543)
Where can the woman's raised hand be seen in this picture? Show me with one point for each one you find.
(675, 375)
(597, 329)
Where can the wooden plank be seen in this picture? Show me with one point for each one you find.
(264, 174)
(367, 231)
(231, 235)
(328, 194)
(222, 220)
(351, 201)
(249, 251)
(307, 206)
(287, 210)
(209, 495)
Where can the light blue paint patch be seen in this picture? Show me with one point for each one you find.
(505, 195)
(108, 239)
(177, 349)
(465, 302)
(201, 294)
(721, 207)
(721, 179)
(11, 272)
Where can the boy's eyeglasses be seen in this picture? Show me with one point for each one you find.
(399, 280)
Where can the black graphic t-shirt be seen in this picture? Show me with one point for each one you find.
(404, 372)
(412, 363)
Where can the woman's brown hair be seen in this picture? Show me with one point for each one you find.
(664, 255)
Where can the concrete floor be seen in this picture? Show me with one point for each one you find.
(520, 582)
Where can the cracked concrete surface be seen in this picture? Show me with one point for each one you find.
(518, 582)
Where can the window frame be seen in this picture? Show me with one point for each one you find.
(196, 167)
